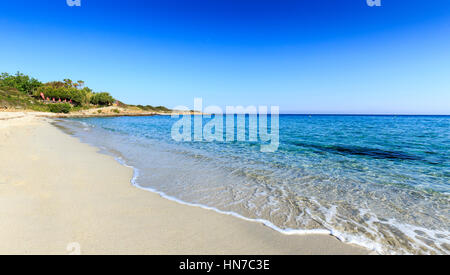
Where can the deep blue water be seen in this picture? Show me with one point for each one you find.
(380, 181)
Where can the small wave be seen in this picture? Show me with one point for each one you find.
(345, 237)
(371, 246)
(309, 190)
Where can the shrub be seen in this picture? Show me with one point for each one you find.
(102, 99)
(19, 81)
(116, 111)
(162, 109)
(62, 93)
(60, 108)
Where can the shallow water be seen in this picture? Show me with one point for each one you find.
(378, 181)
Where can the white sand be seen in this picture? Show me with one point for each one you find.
(55, 190)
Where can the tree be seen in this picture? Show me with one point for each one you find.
(68, 82)
(80, 84)
(19, 81)
(102, 99)
(64, 93)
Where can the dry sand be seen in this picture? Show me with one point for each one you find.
(56, 191)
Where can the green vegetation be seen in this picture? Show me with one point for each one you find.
(74, 92)
(11, 98)
(102, 99)
(20, 91)
(21, 82)
(60, 108)
(150, 108)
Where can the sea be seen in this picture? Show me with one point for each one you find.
(382, 182)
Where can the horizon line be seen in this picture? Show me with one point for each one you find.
(333, 114)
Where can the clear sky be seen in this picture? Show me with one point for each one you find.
(306, 56)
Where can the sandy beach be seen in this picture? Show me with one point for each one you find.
(56, 193)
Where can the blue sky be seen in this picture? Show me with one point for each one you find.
(306, 56)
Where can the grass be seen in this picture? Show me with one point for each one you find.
(13, 99)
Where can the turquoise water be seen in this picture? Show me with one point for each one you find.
(379, 181)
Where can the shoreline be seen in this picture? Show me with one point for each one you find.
(94, 113)
(97, 206)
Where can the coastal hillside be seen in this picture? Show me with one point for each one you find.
(20, 92)
(11, 99)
